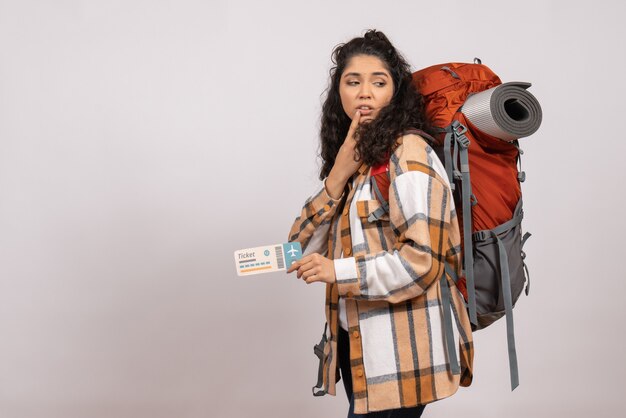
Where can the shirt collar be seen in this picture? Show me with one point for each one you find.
(363, 168)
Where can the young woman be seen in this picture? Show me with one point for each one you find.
(387, 293)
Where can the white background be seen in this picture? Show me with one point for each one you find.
(142, 142)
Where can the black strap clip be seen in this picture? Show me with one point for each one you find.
(318, 349)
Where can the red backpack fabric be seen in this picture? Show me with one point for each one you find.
(492, 162)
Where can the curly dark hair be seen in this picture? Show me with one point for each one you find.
(375, 140)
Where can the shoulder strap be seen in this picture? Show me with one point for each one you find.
(420, 133)
(384, 168)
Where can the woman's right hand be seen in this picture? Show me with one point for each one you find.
(345, 163)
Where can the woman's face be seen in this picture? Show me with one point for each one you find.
(365, 85)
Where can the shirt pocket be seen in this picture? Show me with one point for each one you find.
(371, 211)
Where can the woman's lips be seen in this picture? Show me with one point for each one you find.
(365, 112)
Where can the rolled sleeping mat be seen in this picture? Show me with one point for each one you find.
(507, 111)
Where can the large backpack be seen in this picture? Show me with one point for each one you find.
(477, 121)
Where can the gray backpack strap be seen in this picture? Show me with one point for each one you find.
(455, 158)
(508, 307)
(384, 208)
(521, 175)
(451, 272)
(447, 323)
(518, 215)
(462, 143)
(319, 352)
(447, 155)
(526, 273)
(455, 278)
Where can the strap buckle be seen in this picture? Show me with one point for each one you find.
(463, 141)
(480, 236)
(458, 128)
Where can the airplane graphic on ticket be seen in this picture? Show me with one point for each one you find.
(293, 252)
(267, 258)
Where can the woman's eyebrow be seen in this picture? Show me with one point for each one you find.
(359, 74)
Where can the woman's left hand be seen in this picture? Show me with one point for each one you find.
(314, 268)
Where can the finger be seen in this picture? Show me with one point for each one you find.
(296, 264)
(311, 272)
(312, 278)
(355, 123)
(318, 277)
(306, 267)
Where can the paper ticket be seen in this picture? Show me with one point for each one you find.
(267, 258)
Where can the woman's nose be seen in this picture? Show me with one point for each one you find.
(365, 92)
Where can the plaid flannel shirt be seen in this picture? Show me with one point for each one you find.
(388, 271)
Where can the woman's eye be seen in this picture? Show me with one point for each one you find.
(376, 83)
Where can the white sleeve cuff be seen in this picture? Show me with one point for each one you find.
(345, 268)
